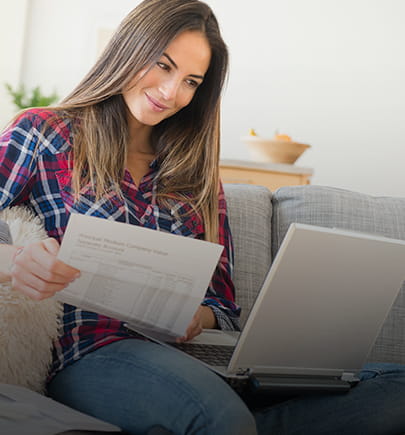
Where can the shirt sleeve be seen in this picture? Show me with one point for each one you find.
(18, 146)
(220, 296)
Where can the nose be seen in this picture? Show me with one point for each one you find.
(169, 87)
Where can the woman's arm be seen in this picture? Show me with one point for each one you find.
(220, 296)
(35, 269)
(204, 318)
(218, 310)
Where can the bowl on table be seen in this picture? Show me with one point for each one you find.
(274, 150)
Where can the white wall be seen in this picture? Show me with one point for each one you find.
(12, 39)
(327, 72)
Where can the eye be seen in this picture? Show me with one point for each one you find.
(192, 83)
(163, 66)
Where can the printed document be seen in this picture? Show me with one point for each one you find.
(149, 278)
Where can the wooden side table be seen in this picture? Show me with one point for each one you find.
(270, 175)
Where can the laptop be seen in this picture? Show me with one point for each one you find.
(316, 317)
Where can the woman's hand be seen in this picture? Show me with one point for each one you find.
(37, 273)
(203, 318)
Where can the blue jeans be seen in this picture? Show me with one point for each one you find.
(137, 384)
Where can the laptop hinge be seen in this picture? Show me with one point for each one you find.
(243, 372)
(351, 378)
(298, 384)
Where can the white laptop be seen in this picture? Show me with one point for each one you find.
(317, 314)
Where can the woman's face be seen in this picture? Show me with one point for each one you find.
(158, 93)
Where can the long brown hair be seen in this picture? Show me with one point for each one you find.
(187, 144)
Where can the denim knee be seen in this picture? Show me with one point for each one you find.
(144, 385)
(374, 370)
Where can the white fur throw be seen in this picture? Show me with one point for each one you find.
(27, 327)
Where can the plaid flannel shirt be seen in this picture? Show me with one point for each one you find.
(36, 170)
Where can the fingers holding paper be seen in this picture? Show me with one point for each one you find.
(203, 318)
(38, 273)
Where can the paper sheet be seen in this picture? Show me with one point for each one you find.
(135, 274)
(24, 412)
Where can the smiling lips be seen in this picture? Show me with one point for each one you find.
(155, 104)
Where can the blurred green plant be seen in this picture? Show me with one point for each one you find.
(23, 99)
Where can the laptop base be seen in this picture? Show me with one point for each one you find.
(297, 384)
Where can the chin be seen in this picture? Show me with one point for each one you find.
(150, 119)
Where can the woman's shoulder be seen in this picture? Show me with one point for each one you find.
(44, 122)
(43, 118)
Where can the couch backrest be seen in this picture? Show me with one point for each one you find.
(332, 207)
(249, 211)
(260, 219)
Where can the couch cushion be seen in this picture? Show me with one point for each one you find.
(332, 207)
(249, 211)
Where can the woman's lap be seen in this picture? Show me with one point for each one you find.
(137, 384)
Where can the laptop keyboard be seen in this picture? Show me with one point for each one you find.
(216, 355)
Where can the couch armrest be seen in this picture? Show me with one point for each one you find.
(249, 212)
(5, 236)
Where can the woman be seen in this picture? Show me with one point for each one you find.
(138, 141)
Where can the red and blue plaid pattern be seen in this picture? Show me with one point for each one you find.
(36, 170)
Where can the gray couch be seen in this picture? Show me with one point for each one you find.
(259, 220)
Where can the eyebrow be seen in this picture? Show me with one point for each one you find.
(175, 66)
